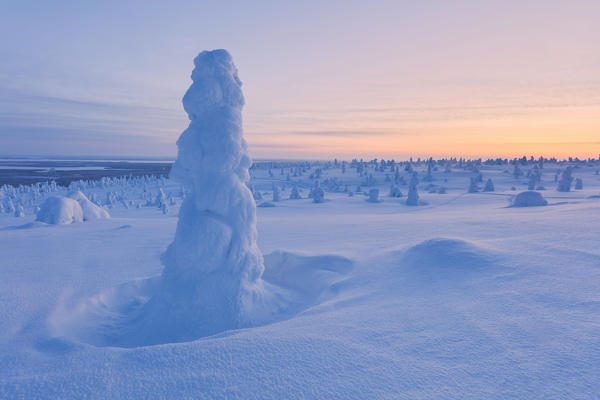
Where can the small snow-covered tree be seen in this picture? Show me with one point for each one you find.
(473, 187)
(276, 195)
(578, 184)
(564, 184)
(19, 212)
(373, 196)
(489, 186)
(395, 191)
(294, 194)
(318, 195)
(413, 193)
(517, 173)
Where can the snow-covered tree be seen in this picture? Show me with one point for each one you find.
(373, 196)
(564, 184)
(213, 268)
(294, 194)
(473, 187)
(413, 194)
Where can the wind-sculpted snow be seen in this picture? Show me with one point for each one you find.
(110, 318)
(445, 258)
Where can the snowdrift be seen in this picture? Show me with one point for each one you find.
(447, 261)
(118, 316)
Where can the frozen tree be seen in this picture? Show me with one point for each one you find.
(255, 193)
(213, 268)
(318, 195)
(10, 207)
(564, 184)
(90, 210)
(294, 194)
(532, 182)
(275, 193)
(473, 187)
(373, 196)
(413, 194)
(428, 177)
(517, 173)
(489, 186)
(395, 191)
(19, 212)
(578, 184)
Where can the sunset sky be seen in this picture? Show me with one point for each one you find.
(321, 78)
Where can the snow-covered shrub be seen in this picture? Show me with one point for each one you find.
(395, 191)
(90, 210)
(58, 210)
(373, 196)
(529, 199)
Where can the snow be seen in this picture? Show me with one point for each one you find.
(60, 211)
(461, 298)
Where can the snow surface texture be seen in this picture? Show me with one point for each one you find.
(461, 298)
(60, 211)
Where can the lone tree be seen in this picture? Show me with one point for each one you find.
(212, 276)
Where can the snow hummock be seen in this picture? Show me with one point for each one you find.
(58, 210)
(529, 199)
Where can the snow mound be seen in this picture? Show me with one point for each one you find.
(60, 210)
(529, 199)
(113, 317)
(90, 210)
(446, 258)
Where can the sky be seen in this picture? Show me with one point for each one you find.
(321, 79)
